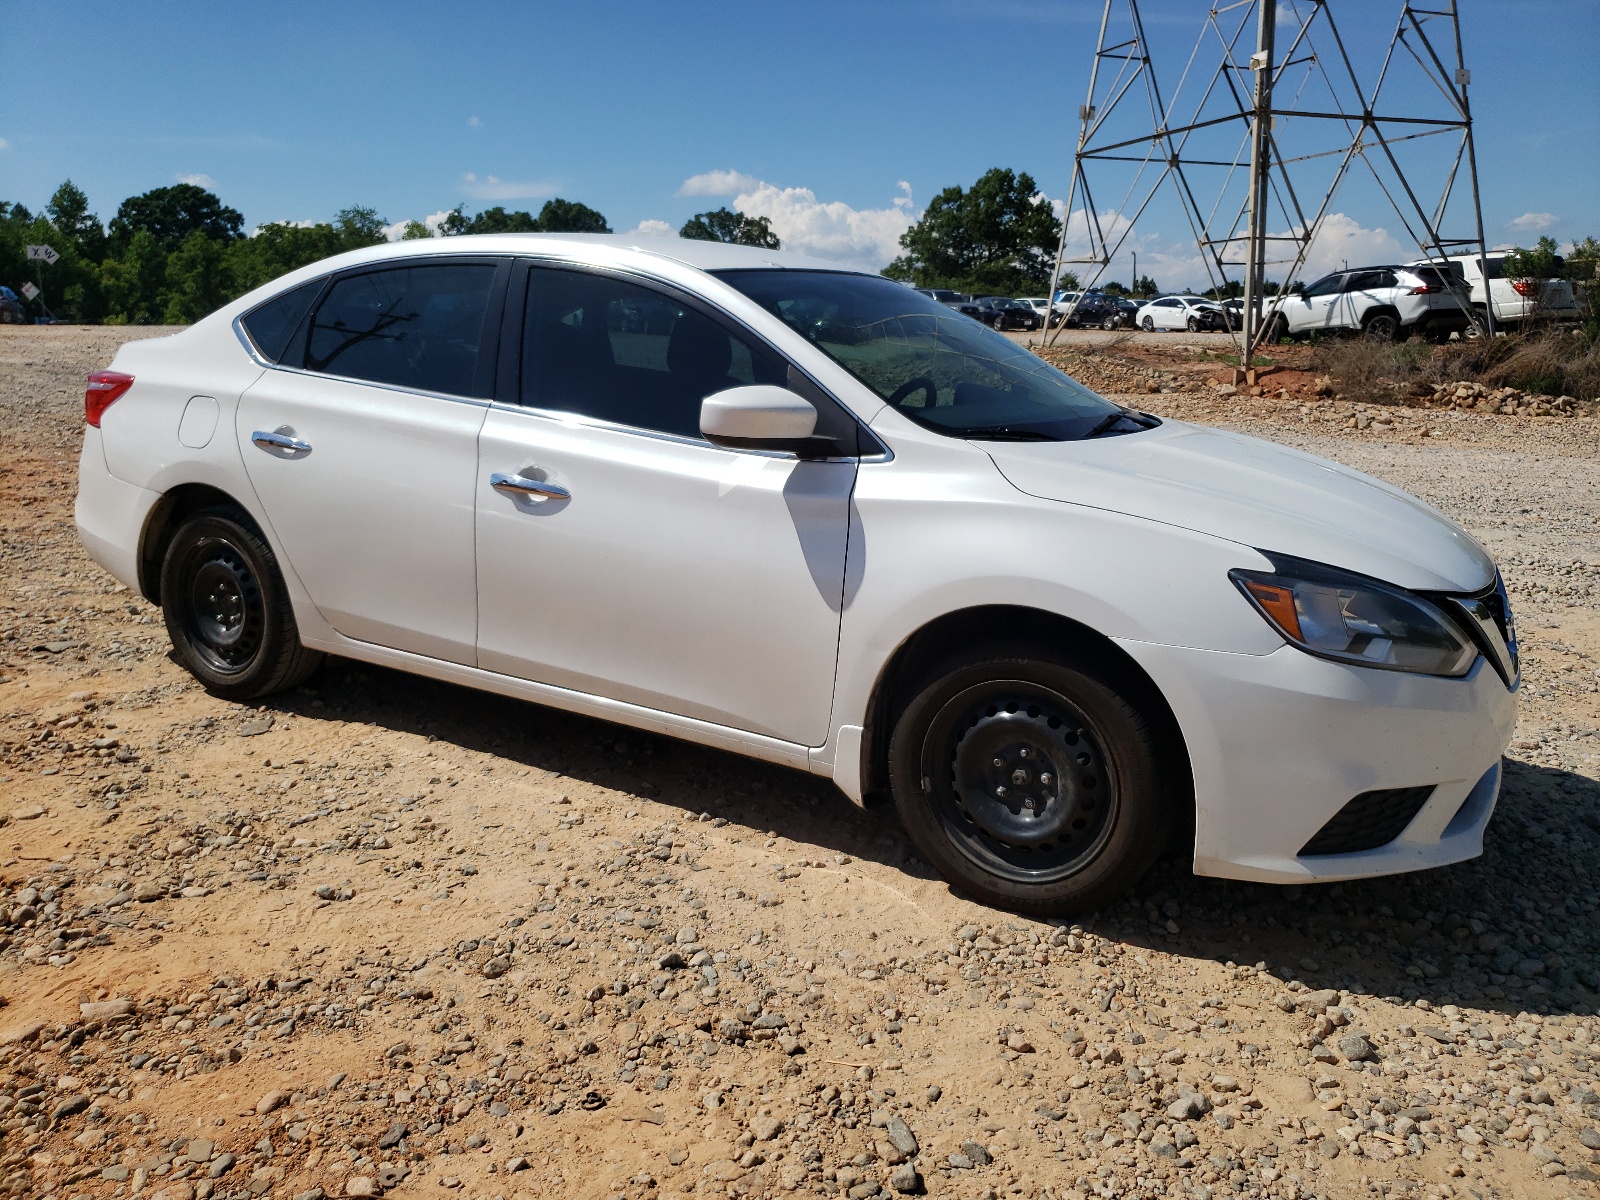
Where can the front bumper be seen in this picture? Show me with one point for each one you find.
(1279, 743)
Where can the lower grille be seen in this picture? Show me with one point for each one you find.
(1371, 820)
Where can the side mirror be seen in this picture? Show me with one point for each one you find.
(759, 416)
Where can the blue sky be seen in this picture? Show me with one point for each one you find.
(837, 120)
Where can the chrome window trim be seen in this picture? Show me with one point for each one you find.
(563, 416)
(885, 455)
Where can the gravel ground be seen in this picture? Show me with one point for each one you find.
(386, 935)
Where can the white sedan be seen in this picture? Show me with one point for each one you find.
(770, 504)
(1194, 313)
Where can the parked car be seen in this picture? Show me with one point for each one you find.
(1194, 313)
(1002, 312)
(1514, 300)
(1093, 309)
(11, 310)
(961, 302)
(789, 509)
(1381, 302)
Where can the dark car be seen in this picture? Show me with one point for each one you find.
(11, 310)
(960, 301)
(1093, 309)
(1002, 312)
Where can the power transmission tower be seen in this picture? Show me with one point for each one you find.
(1296, 127)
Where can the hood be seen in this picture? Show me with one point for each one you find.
(1259, 494)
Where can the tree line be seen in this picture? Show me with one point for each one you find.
(173, 254)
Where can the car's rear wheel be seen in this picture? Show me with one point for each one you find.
(1030, 783)
(227, 610)
(1383, 327)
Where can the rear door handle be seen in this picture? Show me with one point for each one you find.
(278, 440)
(517, 485)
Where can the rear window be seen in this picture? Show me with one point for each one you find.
(415, 327)
(273, 324)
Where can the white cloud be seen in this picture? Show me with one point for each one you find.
(1343, 240)
(1536, 222)
(492, 187)
(718, 183)
(290, 224)
(4, 145)
(433, 221)
(650, 227)
(862, 237)
(204, 181)
(474, 122)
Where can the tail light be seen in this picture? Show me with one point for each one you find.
(1525, 287)
(105, 389)
(1422, 289)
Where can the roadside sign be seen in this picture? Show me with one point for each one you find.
(45, 254)
(29, 291)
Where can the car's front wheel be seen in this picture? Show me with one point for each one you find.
(1147, 325)
(1030, 783)
(227, 610)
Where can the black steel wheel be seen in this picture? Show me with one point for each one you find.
(1031, 784)
(227, 611)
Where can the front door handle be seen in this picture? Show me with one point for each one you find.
(278, 440)
(517, 485)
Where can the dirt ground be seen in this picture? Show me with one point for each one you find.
(384, 935)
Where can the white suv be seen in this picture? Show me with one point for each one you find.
(1382, 302)
(1514, 300)
(806, 514)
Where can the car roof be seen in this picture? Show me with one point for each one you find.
(705, 256)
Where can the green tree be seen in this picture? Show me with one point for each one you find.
(198, 281)
(359, 227)
(170, 214)
(999, 236)
(415, 231)
(135, 281)
(498, 220)
(568, 216)
(1584, 259)
(727, 225)
(1145, 286)
(1542, 262)
(69, 212)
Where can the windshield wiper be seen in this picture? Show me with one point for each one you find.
(1004, 433)
(1106, 423)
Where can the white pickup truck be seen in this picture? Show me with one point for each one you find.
(1514, 300)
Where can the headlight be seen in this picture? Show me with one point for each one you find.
(1350, 618)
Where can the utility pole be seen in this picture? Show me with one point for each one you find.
(1260, 165)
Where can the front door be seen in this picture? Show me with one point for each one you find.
(656, 568)
(364, 453)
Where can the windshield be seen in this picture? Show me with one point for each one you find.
(943, 370)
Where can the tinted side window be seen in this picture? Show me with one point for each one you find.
(1325, 286)
(272, 324)
(415, 327)
(620, 352)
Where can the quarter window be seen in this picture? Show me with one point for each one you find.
(619, 352)
(272, 325)
(414, 327)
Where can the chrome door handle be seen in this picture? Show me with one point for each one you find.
(516, 485)
(279, 441)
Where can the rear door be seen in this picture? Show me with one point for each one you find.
(1363, 292)
(363, 450)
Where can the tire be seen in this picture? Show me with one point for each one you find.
(1383, 327)
(1109, 324)
(227, 610)
(1278, 330)
(1148, 325)
(1193, 325)
(1091, 839)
